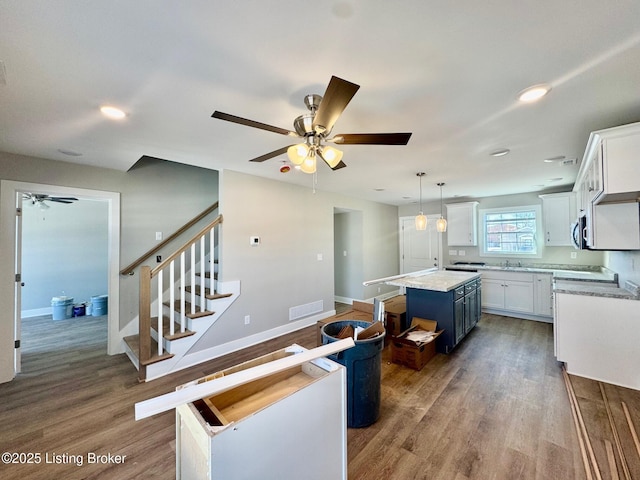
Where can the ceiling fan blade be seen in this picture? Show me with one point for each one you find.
(340, 165)
(337, 96)
(57, 199)
(252, 123)
(267, 156)
(60, 200)
(371, 138)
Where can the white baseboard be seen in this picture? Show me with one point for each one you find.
(212, 353)
(347, 300)
(36, 312)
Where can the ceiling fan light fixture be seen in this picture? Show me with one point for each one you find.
(330, 155)
(297, 153)
(309, 163)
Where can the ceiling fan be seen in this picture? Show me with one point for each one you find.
(315, 127)
(40, 198)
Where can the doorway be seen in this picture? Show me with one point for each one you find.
(419, 249)
(11, 195)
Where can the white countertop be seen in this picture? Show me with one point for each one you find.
(439, 281)
(559, 272)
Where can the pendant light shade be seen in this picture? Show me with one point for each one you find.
(441, 223)
(421, 219)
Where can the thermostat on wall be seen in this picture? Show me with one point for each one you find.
(254, 241)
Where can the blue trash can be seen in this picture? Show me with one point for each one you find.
(363, 364)
(61, 307)
(99, 305)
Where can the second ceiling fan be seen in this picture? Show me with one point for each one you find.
(315, 129)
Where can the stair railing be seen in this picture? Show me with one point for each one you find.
(129, 269)
(202, 243)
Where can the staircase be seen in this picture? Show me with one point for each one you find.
(180, 300)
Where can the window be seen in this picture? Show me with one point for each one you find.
(510, 231)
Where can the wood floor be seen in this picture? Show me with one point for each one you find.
(496, 408)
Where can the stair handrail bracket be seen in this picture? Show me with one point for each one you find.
(166, 296)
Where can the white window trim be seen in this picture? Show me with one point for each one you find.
(539, 238)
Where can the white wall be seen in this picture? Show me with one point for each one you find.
(550, 255)
(64, 252)
(347, 237)
(295, 226)
(626, 265)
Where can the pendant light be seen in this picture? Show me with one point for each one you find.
(441, 223)
(421, 219)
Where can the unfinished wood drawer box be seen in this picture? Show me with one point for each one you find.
(290, 424)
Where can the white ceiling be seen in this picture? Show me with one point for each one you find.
(447, 71)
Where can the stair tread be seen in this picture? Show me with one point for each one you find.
(207, 275)
(187, 306)
(133, 341)
(165, 329)
(208, 295)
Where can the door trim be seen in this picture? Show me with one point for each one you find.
(8, 192)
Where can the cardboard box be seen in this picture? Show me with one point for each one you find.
(411, 354)
(359, 311)
(395, 312)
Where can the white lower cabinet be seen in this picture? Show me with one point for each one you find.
(516, 294)
(543, 294)
(291, 424)
(598, 337)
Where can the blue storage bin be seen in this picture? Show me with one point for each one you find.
(61, 307)
(99, 305)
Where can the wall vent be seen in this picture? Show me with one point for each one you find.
(305, 310)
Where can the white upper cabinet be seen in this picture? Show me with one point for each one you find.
(608, 188)
(462, 223)
(610, 169)
(558, 212)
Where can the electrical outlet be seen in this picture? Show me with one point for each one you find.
(158, 235)
(247, 319)
(462, 253)
(574, 254)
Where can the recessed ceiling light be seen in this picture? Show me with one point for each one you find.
(534, 93)
(70, 153)
(557, 179)
(112, 112)
(379, 189)
(500, 153)
(554, 159)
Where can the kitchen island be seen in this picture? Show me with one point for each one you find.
(453, 299)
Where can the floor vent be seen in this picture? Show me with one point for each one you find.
(305, 310)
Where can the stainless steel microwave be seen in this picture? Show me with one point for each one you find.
(579, 233)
